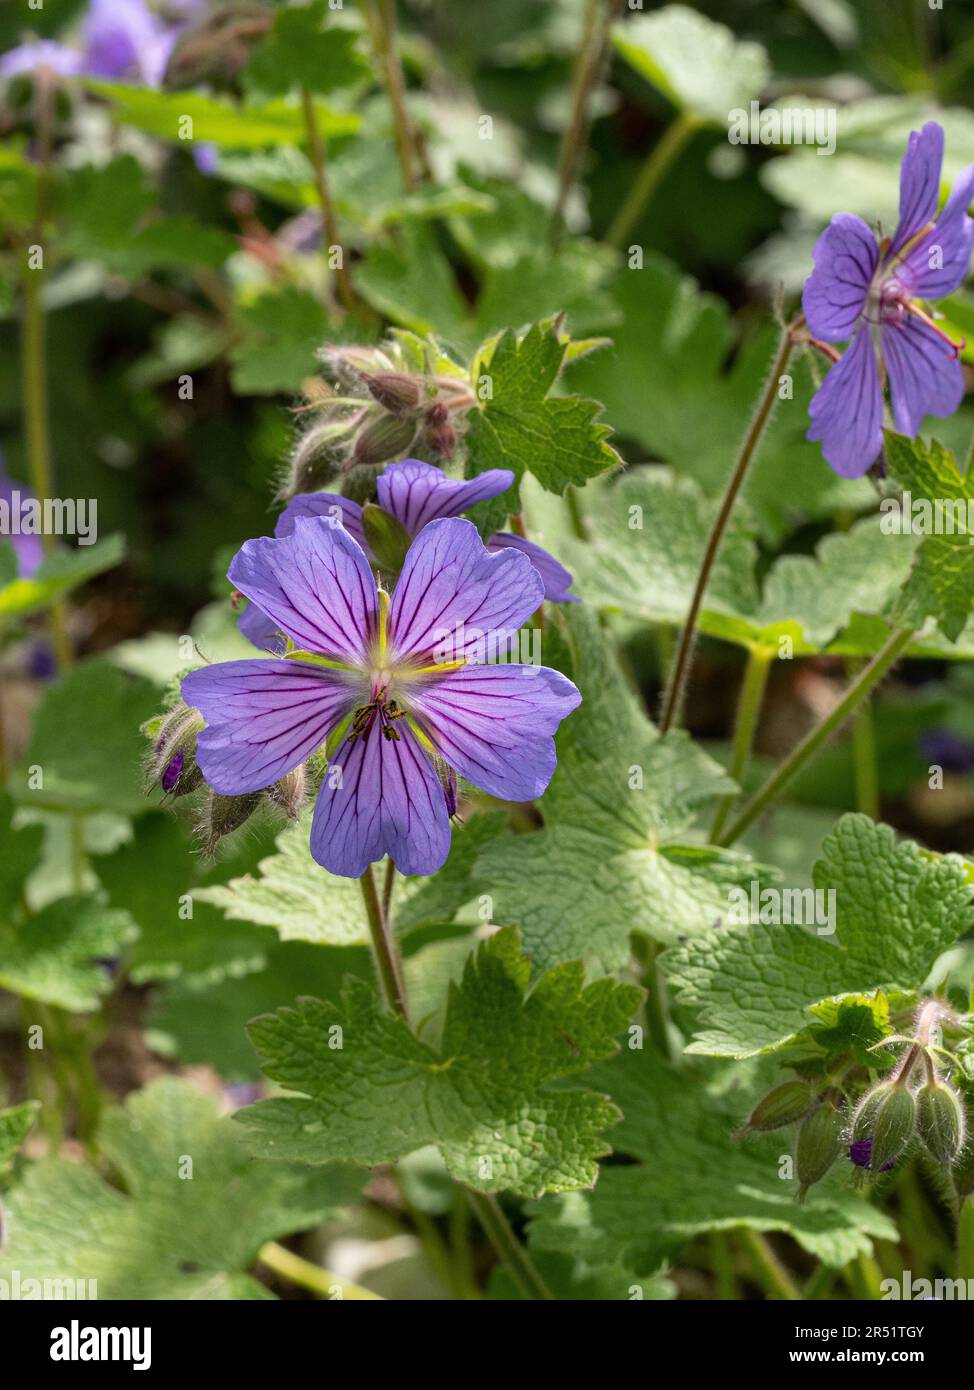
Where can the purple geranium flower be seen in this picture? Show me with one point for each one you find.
(28, 549)
(404, 672)
(119, 39)
(870, 293)
(415, 494)
(861, 1152)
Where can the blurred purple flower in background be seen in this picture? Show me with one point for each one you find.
(28, 549)
(869, 292)
(417, 716)
(124, 39)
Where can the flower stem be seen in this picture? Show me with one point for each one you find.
(589, 64)
(311, 1276)
(515, 1257)
(329, 220)
(658, 161)
(681, 668)
(864, 760)
(771, 1273)
(380, 16)
(487, 1208)
(748, 708)
(387, 887)
(869, 677)
(387, 960)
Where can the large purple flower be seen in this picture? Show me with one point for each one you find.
(119, 38)
(402, 672)
(871, 292)
(415, 494)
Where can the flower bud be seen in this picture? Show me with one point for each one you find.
(439, 436)
(172, 763)
(317, 455)
(819, 1145)
(224, 814)
(384, 438)
(783, 1105)
(940, 1120)
(387, 537)
(289, 793)
(887, 1115)
(395, 391)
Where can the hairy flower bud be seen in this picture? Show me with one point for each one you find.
(395, 391)
(172, 762)
(388, 539)
(783, 1105)
(887, 1114)
(940, 1120)
(224, 814)
(384, 438)
(317, 455)
(439, 436)
(819, 1145)
(290, 792)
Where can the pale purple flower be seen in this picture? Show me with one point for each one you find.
(28, 549)
(41, 53)
(122, 39)
(872, 293)
(415, 494)
(403, 671)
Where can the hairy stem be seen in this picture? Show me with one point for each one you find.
(589, 65)
(311, 1276)
(867, 679)
(329, 219)
(380, 16)
(864, 760)
(748, 709)
(646, 182)
(768, 1269)
(681, 667)
(384, 949)
(515, 1257)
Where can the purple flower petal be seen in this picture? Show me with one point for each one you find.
(557, 580)
(264, 717)
(834, 296)
(389, 801)
(258, 628)
(847, 410)
(123, 38)
(919, 182)
(925, 376)
(494, 724)
(29, 549)
(315, 585)
(416, 493)
(452, 592)
(939, 261)
(337, 510)
(44, 53)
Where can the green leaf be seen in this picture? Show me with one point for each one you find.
(483, 1096)
(682, 382)
(616, 855)
(690, 1177)
(189, 116)
(16, 1122)
(295, 896)
(150, 877)
(941, 584)
(699, 65)
(193, 1211)
(896, 909)
(299, 52)
(284, 330)
(86, 741)
(523, 428)
(58, 574)
(56, 955)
